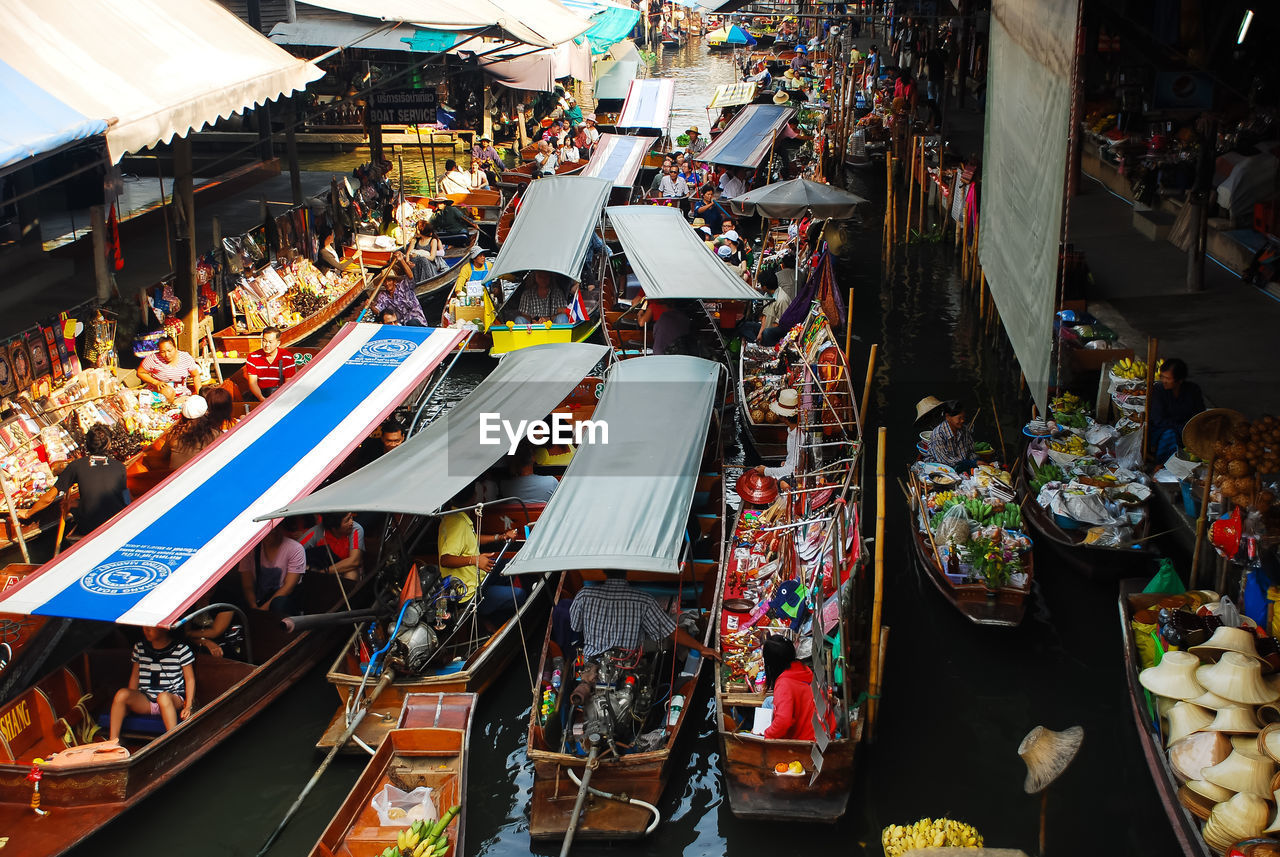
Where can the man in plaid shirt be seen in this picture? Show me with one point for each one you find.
(542, 300)
(615, 615)
(951, 443)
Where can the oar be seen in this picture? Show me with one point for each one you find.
(62, 531)
(383, 683)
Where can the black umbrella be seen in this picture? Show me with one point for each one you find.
(791, 199)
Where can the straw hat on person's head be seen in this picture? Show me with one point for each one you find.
(698, 223)
(1241, 773)
(1185, 718)
(781, 98)
(1226, 639)
(1234, 720)
(927, 406)
(786, 404)
(195, 407)
(1174, 676)
(485, 139)
(693, 129)
(1238, 678)
(1047, 754)
(476, 250)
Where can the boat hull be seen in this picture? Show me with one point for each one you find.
(229, 339)
(508, 339)
(756, 792)
(1002, 607)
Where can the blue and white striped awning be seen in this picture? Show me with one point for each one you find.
(749, 136)
(648, 104)
(34, 123)
(154, 559)
(618, 158)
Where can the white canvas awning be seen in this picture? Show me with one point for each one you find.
(544, 23)
(153, 70)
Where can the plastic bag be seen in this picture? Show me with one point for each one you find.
(955, 526)
(1129, 451)
(398, 808)
(1167, 581)
(1146, 636)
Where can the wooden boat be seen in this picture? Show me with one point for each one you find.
(482, 206)
(230, 339)
(371, 251)
(767, 439)
(1003, 605)
(1186, 827)
(827, 498)
(1096, 562)
(427, 747)
(446, 279)
(506, 218)
(522, 174)
(83, 799)
(671, 40)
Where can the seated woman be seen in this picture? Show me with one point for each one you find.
(163, 682)
(568, 152)
(339, 540)
(427, 253)
(204, 419)
(542, 299)
(790, 681)
(215, 633)
(269, 576)
(170, 372)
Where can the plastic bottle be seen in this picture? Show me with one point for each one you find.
(677, 705)
(691, 663)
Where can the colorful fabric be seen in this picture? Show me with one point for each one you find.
(160, 670)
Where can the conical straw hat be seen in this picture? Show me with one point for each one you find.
(1242, 816)
(1274, 826)
(1238, 678)
(1174, 676)
(1226, 639)
(1235, 720)
(1211, 700)
(1215, 793)
(1240, 773)
(1247, 744)
(1269, 741)
(1268, 713)
(1185, 718)
(1047, 754)
(927, 406)
(1190, 756)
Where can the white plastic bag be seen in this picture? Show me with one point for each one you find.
(1129, 451)
(954, 527)
(416, 805)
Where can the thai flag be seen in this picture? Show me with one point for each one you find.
(577, 308)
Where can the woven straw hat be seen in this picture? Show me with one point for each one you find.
(1274, 826)
(1234, 720)
(1240, 817)
(1211, 700)
(1185, 718)
(1226, 639)
(927, 406)
(1215, 793)
(781, 98)
(1174, 676)
(1190, 756)
(1269, 713)
(1240, 773)
(1238, 678)
(786, 404)
(1269, 741)
(1047, 754)
(1247, 744)
(1197, 804)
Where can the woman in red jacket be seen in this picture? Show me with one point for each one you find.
(790, 681)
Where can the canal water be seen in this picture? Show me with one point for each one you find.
(957, 699)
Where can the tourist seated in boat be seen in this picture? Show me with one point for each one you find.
(670, 323)
(790, 679)
(163, 682)
(1173, 401)
(711, 211)
(398, 293)
(169, 371)
(102, 481)
(730, 257)
(733, 183)
(204, 419)
(655, 186)
(477, 179)
(568, 152)
(486, 156)
(591, 130)
(542, 299)
(614, 615)
(427, 253)
(767, 329)
(522, 483)
(329, 258)
(269, 366)
(786, 406)
(673, 185)
(215, 633)
(582, 141)
(459, 546)
(336, 545)
(951, 442)
(271, 574)
(545, 161)
(453, 227)
(454, 179)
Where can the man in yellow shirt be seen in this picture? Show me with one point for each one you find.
(458, 545)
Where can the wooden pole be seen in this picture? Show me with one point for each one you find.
(1152, 344)
(866, 387)
(1044, 811)
(924, 184)
(1202, 521)
(876, 604)
(995, 415)
(848, 325)
(911, 191)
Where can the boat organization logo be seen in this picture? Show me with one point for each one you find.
(562, 430)
(126, 577)
(383, 352)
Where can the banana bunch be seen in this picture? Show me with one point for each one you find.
(1067, 403)
(423, 839)
(1130, 368)
(928, 833)
(1072, 445)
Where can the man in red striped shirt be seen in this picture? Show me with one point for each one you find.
(270, 366)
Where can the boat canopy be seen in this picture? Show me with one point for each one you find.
(151, 70)
(420, 475)
(648, 104)
(34, 123)
(750, 135)
(169, 547)
(795, 197)
(624, 501)
(669, 258)
(552, 231)
(734, 94)
(543, 23)
(613, 79)
(618, 158)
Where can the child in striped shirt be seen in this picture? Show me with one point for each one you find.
(163, 681)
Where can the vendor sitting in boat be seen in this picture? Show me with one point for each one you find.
(616, 615)
(542, 299)
(1174, 401)
(787, 406)
(790, 678)
(951, 442)
(170, 372)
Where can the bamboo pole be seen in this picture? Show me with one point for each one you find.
(1202, 521)
(866, 387)
(848, 325)
(1152, 345)
(995, 415)
(911, 191)
(877, 602)
(924, 184)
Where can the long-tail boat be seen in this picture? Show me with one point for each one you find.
(807, 541)
(157, 559)
(663, 453)
(427, 748)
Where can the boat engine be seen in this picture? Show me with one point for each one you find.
(615, 697)
(416, 641)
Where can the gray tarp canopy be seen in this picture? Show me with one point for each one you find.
(670, 260)
(552, 231)
(615, 82)
(625, 504)
(791, 199)
(420, 475)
